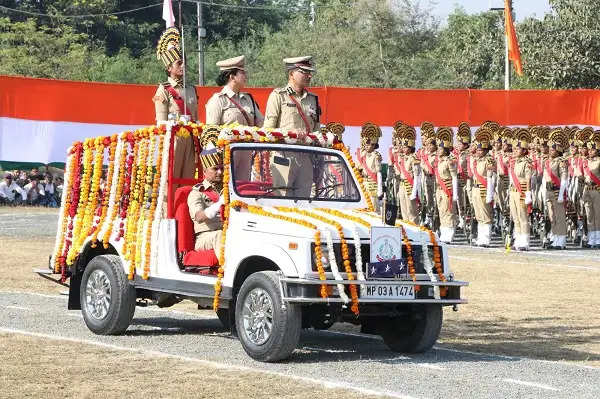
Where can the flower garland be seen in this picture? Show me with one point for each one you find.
(115, 189)
(237, 133)
(83, 198)
(90, 210)
(150, 231)
(367, 196)
(257, 210)
(129, 180)
(334, 267)
(112, 143)
(75, 177)
(57, 259)
(142, 224)
(409, 257)
(221, 269)
(437, 259)
(344, 248)
(127, 214)
(164, 171)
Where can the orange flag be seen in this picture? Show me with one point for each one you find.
(514, 53)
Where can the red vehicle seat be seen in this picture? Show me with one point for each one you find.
(192, 259)
(253, 187)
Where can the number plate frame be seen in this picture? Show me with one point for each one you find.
(388, 291)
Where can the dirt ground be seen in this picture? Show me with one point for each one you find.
(531, 306)
(45, 369)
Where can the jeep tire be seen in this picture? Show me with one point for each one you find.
(268, 329)
(107, 298)
(414, 333)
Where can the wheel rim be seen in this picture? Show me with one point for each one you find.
(98, 294)
(257, 316)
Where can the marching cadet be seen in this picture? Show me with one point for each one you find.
(293, 108)
(369, 161)
(520, 170)
(170, 99)
(232, 105)
(462, 155)
(205, 199)
(407, 172)
(446, 193)
(483, 168)
(555, 184)
(502, 157)
(591, 192)
(428, 154)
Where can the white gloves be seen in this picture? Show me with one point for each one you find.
(561, 192)
(528, 197)
(489, 197)
(454, 189)
(212, 211)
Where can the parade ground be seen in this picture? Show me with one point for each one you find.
(530, 329)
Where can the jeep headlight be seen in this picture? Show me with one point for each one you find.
(324, 257)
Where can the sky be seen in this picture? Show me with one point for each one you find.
(522, 8)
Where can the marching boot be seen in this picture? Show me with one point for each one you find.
(446, 234)
(484, 232)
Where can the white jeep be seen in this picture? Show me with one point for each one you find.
(294, 257)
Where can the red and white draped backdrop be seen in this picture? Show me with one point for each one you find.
(40, 118)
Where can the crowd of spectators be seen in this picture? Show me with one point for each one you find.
(35, 188)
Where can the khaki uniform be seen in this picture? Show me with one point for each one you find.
(296, 169)
(221, 110)
(462, 173)
(591, 200)
(483, 210)
(501, 197)
(446, 168)
(518, 209)
(208, 234)
(409, 208)
(556, 210)
(372, 161)
(184, 162)
(428, 184)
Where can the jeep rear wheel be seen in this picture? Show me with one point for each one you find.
(268, 329)
(107, 298)
(414, 333)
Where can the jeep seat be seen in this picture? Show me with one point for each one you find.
(198, 261)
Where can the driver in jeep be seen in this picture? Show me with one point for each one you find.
(205, 199)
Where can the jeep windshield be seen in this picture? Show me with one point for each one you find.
(292, 173)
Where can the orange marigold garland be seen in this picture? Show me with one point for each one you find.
(155, 188)
(88, 151)
(112, 142)
(409, 257)
(437, 260)
(132, 202)
(147, 172)
(344, 248)
(61, 238)
(221, 269)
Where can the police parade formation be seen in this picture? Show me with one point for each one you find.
(516, 183)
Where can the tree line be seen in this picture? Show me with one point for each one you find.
(358, 43)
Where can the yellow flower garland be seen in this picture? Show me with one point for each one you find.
(153, 204)
(146, 172)
(409, 257)
(115, 210)
(221, 269)
(344, 246)
(69, 185)
(107, 188)
(83, 199)
(130, 209)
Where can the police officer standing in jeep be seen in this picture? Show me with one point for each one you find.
(293, 108)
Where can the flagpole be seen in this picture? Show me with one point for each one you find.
(506, 64)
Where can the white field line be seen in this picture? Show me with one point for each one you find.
(310, 348)
(223, 366)
(569, 253)
(431, 366)
(530, 384)
(596, 269)
(32, 293)
(16, 307)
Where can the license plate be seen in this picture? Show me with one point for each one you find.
(388, 291)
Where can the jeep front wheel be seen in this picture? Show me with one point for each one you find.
(414, 333)
(268, 329)
(107, 298)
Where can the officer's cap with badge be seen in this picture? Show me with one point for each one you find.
(464, 133)
(168, 49)
(522, 138)
(483, 137)
(445, 137)
(370, 132)
(558, 140)
(211, 154)
(507, 135)
(303, 63)
(232, 63)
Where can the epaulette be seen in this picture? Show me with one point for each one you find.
(166, 84)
